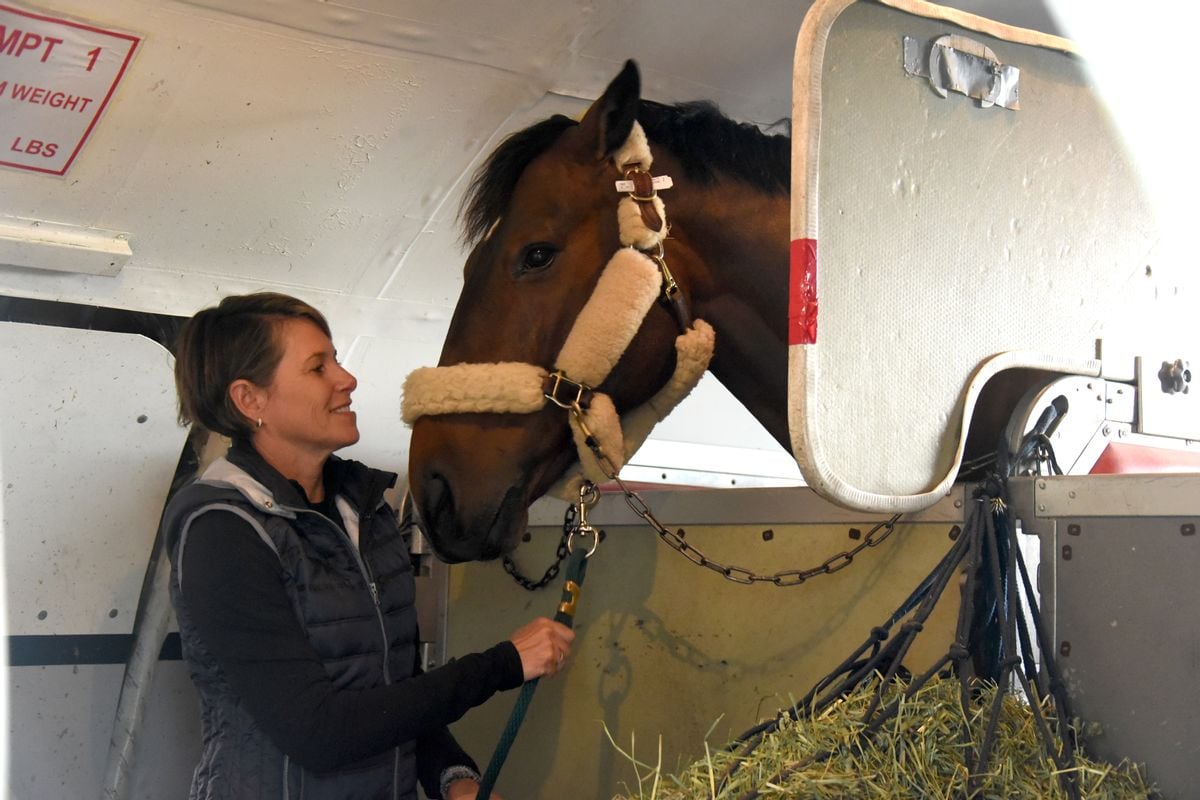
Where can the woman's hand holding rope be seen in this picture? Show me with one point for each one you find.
(543, 646)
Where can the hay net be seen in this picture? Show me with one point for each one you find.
(983, 721)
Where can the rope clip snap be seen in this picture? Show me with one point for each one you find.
(589, 495)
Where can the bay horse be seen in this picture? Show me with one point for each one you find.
(541, 216)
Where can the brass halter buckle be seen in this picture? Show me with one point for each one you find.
(640, 185)
(643, 190)
(556, 381)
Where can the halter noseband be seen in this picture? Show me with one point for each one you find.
(632, 280)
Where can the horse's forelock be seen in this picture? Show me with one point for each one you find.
(493, 184)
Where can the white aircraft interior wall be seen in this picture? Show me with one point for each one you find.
(325, 155)
(89, 444)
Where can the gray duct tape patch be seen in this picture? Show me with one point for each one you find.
(959, 64)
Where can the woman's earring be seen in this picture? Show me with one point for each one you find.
(260, 422)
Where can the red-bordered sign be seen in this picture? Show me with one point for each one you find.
(56, 78)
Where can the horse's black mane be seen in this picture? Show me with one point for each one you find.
(709, 143)
(704, 140)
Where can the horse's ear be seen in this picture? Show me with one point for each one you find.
(606, 125)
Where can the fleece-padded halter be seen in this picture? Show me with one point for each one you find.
(627, 289)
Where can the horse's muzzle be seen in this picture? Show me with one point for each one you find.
(457, 536)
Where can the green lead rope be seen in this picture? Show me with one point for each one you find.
(576, 569)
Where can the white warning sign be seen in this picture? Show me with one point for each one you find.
(56, 78)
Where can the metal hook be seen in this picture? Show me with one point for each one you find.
(669, 287)
(589, 495)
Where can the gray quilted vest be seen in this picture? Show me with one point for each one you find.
(373, 643)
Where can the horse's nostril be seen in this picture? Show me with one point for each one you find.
(461, 529)
(440, 516)
(499, 539)
(437, 501)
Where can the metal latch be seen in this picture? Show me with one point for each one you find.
(960, 64)
(1175, 376)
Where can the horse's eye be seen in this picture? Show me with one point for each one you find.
(537, 257)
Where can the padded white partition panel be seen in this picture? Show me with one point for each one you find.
(89, 444)
(937, 242)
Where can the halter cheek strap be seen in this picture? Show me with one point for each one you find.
(642, 216)
(628, 287)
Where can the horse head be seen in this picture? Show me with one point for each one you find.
(542, 215)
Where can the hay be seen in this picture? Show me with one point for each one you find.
(917, 754)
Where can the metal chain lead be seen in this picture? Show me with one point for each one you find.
(569, 526)
(676, 541)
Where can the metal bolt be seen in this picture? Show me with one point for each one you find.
(1064, 649)
(958, 503)
(855, 534)
(1041, 484)
(1073, 530)
(1106, 430)
(1066, 551)
(768, 535)
(1188, 529)
(1071, 494)
(955, 532)
(1041, 506)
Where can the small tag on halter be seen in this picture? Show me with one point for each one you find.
(660, 182)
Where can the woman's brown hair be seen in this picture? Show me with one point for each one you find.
(232, 340)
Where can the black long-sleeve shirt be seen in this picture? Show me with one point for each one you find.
(234, 590)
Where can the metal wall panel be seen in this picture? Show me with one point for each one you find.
(1120, 555)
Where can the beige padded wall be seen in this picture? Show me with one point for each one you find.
(666, 648)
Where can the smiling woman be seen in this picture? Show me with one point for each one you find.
(304, 414)
(293, 585)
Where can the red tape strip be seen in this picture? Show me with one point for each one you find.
(802, 293)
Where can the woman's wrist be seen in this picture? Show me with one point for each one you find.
(452, 775)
